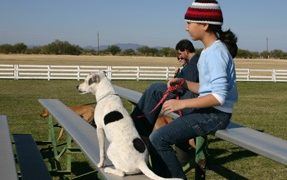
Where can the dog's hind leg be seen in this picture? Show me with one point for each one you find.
(113, 155)
(120, 166)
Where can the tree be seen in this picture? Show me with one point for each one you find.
(89, 51)
(34, 50)
(113, 49)
(144, 50)
(265, 54)
(153, 52)
(277, 53)
(61, 47)
(129, 52)
(20, 48)
(167, 52)
(255, 54)
(7, 48)
(244, 53)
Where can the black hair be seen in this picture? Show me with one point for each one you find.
(185, 44)
(227, 37)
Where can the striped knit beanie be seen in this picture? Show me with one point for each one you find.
(204, 11)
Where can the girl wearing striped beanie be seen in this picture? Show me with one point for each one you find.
(208, 12)
(217, 87)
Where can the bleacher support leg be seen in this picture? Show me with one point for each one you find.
(52, 137)
(200, 157)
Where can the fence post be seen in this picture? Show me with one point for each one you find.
(167, 73)
(248, 74)
(274, 75)
(110, 72)
(138, 73)
(16, 71)
(48, 72)
(78, 73)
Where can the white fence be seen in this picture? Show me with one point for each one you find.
(50, 72)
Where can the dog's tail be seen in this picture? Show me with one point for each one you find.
(93, 103)
(146, 171)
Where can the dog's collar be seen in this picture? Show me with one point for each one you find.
(101, 98)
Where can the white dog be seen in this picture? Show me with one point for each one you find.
(127, 151)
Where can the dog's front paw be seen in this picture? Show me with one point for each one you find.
(100, 164)
(114, 171)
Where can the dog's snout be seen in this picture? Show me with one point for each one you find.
(77, 86)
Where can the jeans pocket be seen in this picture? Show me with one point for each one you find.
(216, 122)
(222, 123)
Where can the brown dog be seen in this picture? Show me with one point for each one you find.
(86, 111)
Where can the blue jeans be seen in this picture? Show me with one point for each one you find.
(198, 123)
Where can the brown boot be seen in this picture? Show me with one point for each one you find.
(200, 169)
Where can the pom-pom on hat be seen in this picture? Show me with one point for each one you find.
(204, 11)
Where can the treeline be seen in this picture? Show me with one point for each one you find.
(65, 48)
(56, 47)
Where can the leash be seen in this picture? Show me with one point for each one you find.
(172, 88)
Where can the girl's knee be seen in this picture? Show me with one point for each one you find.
(157, 85)
(157, 140)
(153, 137)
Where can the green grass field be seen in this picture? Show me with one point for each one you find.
(261, 106)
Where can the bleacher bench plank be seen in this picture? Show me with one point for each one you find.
(83, 134)
(7, 162)
(29, 157)
(260, 143)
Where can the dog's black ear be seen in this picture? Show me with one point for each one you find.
(94, 79)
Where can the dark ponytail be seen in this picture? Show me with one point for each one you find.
(227, 37)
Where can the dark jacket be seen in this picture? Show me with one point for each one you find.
(190, 71)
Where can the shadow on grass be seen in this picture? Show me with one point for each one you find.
(216, 164)
(226, 173)
(216, 160)
(81, 168)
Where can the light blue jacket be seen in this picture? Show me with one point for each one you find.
(217, 76)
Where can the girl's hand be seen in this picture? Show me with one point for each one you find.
(172, 105)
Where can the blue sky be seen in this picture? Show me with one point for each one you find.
(146, 22)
